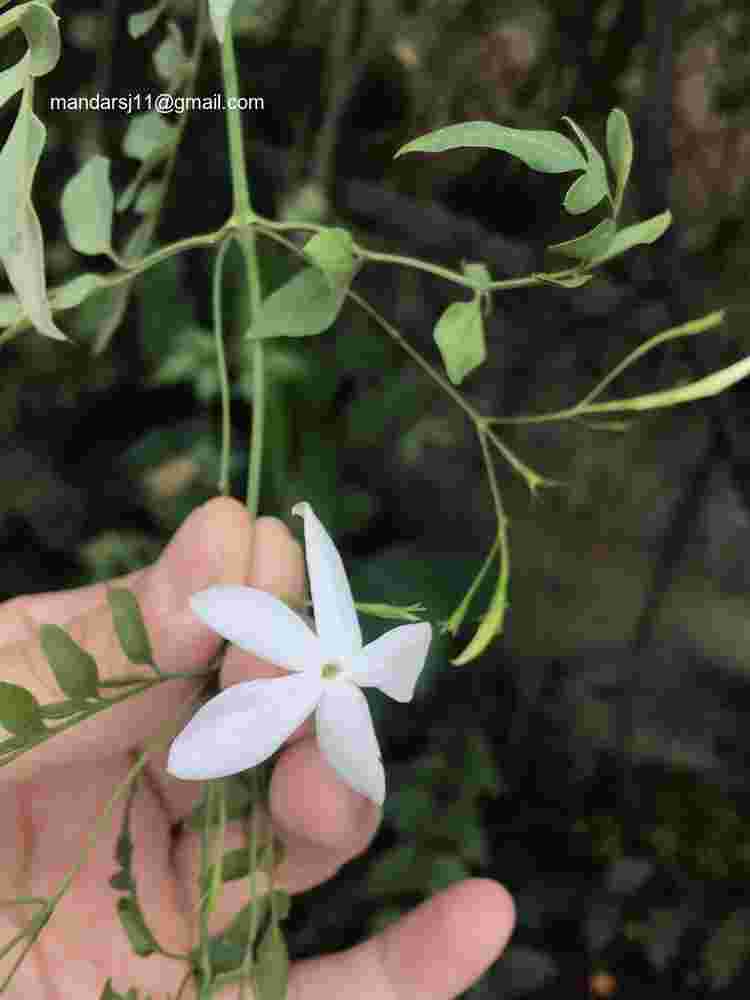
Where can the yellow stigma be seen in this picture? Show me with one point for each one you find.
(329, 671)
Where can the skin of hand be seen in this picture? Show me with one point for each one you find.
(50, 797)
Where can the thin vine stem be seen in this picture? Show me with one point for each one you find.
(535, 278)
(243, 207)
(221, 362)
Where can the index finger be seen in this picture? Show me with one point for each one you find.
(214, 545)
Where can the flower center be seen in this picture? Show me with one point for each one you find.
(329, 671)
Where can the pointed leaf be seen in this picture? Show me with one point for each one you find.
(17, 164)
(491, 624)
(74, 669)
(304, 307)
(584, 194)
(619, 148)
(88, 206)
(459, 334)
(75, 291)
(549, 152)
(13, 79)
(142, 22)
(134, 924)
(333, 251)
(596, 172)
(710, 385)
(590, 244)
(21, 242)
(24, 264)
(19, 711)
(271, 965)
(639, 233)
(129, 625)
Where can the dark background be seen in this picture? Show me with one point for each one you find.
(595, 759)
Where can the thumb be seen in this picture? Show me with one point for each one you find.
(214, 545)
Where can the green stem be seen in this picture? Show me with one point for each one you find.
(208, 809)
(252, 849)
(226, 424)
(243, 209)
(268, 226)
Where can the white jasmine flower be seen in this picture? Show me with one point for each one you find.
(246, 723)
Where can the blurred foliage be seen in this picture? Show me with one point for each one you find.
(436, 815)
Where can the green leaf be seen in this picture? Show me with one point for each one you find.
(271, 965)
(24, 265)
(134, 924)
(21, 241)
(702, 388)
(391, 612)
(75, 291)
(583, 194)
(479, 274)
(220, 11)
(123, 879)
(333, 252)
(149, 137)
(639, 233)
(583, 197)
(227, 950)
(129, 625)
(88, 206)
(549, 152)
(39, 25)
(19, 711)
(459, 334)
(74, 669)
(170, 58)
(18, 160)
(304, 307)
(142, 22)
(619, 149)
(13, 79)
(591, 244)
(491, 624)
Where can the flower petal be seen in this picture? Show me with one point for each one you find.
(336, 619)
(242, 726)
(261, 624)
(393, 662)
(347, 739)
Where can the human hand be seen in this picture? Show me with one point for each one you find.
(50, 797)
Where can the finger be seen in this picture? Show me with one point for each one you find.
(212, 546)
(433, 953)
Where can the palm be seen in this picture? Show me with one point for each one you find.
(51, 797)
